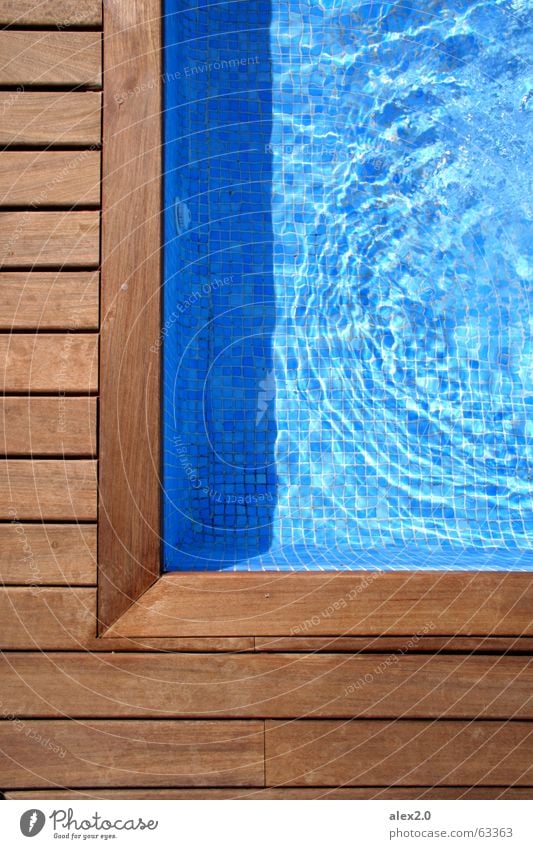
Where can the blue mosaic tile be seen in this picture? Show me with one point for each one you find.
(346, 334)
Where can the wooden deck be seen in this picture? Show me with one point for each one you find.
(345, 717)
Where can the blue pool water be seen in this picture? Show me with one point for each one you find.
(347, 328)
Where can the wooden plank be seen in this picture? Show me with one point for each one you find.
(60, 13)
(414, 644)
(176, 644)
(49, 300)
(135, 754)
(50, 58)
(288, 793)
(340, 603)
(131, 205)
(47, 554)
(39, 117)
(48, 489)
(63, 426)
(247, 686)
(49, 363)
(50, 178)
(362, 753)
(46, 618)
(48, 239)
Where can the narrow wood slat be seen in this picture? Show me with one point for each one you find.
(63, 426)
(129, 529)
(38, 117)
(50, 178)
(61, 13)
(50, 58)
(244, 794)
(48, 239)
(47, 554)
(414, 644)
(42, 618)
(48, 300)
(398, 753)
(180, 685)
(134, 754)
(48, 489)
(49, 363)
(45, 617)
(341, 603)
(221, 645)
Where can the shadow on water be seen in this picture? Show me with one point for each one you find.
(219, 430)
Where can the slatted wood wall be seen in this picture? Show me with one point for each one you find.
(287, 718)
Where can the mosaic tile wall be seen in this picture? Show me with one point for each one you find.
(219, 434)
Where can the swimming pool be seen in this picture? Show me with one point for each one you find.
(346, 338)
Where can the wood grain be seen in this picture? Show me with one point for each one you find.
(398, 753)
(60, 426)
(340, 603)
(176, 644)
(49, 363)
(129, 377)
(247, 686)
(61, 13)
(47, 489)
(37, 617)
(47, 554)
(249, 793)
(50, 178)
(50, 58)
(131, 754)
(419, 644)
(48, 300)
(48, 239)
(50, 118)
(49, 618)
